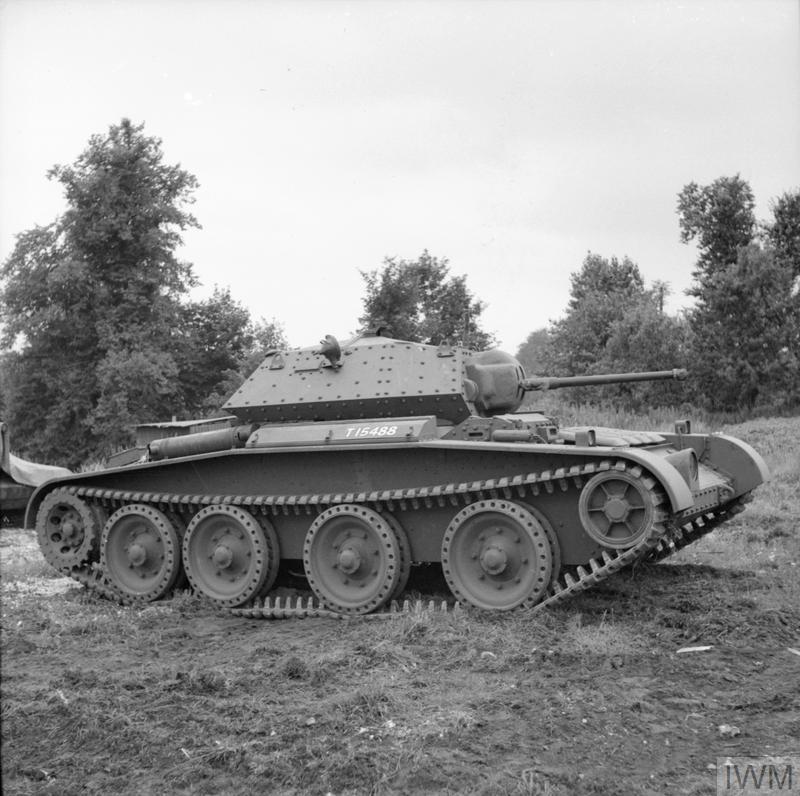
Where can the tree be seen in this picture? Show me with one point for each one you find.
(747, 337)
(646, 338)
(6, 363)
(614, 323)
(418, 300)
(600, 294)
(783, 234)
(90, 303)
(226, 352)
(746, 323)
(216, 336)
(721, 219)
(532, 354)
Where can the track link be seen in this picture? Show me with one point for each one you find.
(277, 608)
(695, 530)
(92, 577)
(653, 549)
(661, 541)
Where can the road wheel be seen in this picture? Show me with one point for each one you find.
(352, 559)
(226, 555)
(497, 556)
(140, 552)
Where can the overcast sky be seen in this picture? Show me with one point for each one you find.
(508, 137)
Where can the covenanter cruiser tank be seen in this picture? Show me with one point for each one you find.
(354, 463)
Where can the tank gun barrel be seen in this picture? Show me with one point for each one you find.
(556, 382)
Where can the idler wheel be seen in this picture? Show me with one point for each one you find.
(140, 552)
(68, 530)
(618, 508)
(227, 555)
(497, 556)
(353, 559)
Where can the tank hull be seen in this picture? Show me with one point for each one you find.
(419, 485)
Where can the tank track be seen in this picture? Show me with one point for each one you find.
(684, 535)
(662, 541)
(92, 577)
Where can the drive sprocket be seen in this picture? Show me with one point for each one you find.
(68, 530)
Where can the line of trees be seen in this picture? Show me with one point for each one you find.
(98, 332)
(741, 340)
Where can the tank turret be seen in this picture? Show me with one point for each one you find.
(373, 376)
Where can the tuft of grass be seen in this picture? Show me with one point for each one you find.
(295, 668)
(202, 681)
(92, 466)
(368, 704)
(603, 639)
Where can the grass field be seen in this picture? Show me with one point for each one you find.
(591, 698)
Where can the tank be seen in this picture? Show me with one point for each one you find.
(354, 463)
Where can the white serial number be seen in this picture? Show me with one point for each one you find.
(371, 431)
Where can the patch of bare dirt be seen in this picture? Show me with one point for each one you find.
(593, 698)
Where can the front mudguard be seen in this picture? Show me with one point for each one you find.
(737, 461)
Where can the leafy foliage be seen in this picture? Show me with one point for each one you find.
(135, 384)
(532, 354)
(215, 336)
(98, 335)
(223, 347)
(91, 299)
(419, 300)
(599, 295)
(613, 323)
(747, 336)
(746, 324)
(720, 218)
(783, 234)
(645, 338)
